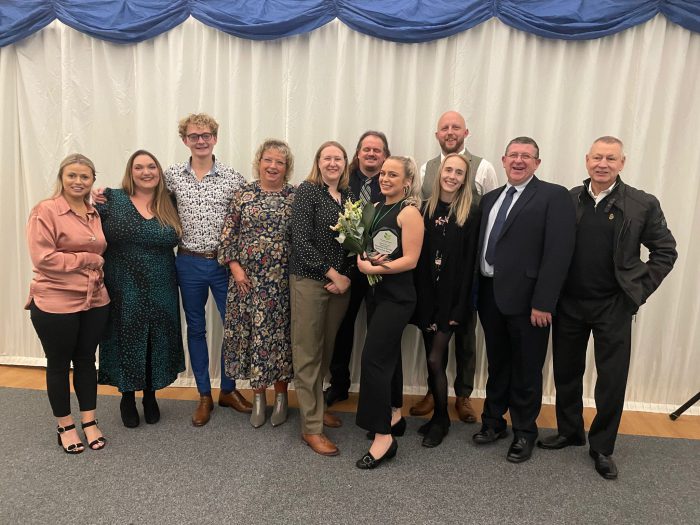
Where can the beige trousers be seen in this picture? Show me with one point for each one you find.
(316, 317)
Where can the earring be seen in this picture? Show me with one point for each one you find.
(405, 191)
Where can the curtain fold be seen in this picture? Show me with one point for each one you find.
(576, 19)
(122, 21)
(409, 21)
(264, 20)
(413, 21)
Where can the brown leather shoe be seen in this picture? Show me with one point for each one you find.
(236, 401)
(330, 420)
(424, 406)
(203, 411)
(465, 410)
(320, 444)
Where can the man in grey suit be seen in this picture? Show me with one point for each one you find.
(450, 134)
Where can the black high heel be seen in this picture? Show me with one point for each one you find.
(74, 448)
(398, 430)
(151, 412)
(368, 461)
(101, 441)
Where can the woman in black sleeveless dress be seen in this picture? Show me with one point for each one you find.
(397, 236)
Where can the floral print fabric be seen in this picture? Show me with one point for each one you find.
(257, 343)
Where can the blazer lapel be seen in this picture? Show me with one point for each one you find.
(522, 201)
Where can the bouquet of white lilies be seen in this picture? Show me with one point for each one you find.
(353, 227)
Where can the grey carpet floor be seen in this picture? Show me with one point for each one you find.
(230, 472)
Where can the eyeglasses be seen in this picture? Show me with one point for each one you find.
(522, 156)
(194, 137)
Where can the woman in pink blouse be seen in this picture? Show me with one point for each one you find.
(67, 298)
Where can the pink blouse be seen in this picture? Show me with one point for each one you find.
(66, 250)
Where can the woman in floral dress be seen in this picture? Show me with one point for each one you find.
(255, 246)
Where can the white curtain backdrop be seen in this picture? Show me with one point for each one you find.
(62, 91)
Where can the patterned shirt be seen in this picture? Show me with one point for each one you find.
(202, 204)
(314, 248)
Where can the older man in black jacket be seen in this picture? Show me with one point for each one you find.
(606, 285)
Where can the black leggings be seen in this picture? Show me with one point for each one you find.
(65, 338)
(436, 351)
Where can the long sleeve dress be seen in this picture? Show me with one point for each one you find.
(144, 332)
(257, 341)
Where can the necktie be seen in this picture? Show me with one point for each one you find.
(366, 191)
(498, 225)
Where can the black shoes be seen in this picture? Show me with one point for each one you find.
(435, 434)
(604, 465)
(423, 429)
(331, 395)
(520, 450)
(398, 429)
(74, 448)
(488, 435)
(368, 461)
(558, 441)
(151, 412)
(127, 407)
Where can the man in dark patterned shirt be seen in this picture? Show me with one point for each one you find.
(203, 188)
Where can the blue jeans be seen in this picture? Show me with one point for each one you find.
(196, 276)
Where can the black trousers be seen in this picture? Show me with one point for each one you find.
(381, 382)
(610, 321)
(515, 351)
(65, 338)
(345, 338)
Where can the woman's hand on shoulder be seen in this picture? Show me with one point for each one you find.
(98, 196)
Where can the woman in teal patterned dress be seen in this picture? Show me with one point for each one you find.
(142, 346)
(255, 246)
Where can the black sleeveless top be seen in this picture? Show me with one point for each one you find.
(385, 233)
(385, 238)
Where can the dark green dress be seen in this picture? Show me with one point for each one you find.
(144, 309)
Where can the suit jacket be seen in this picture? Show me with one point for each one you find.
(534, 249)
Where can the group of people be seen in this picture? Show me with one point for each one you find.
(446, 241)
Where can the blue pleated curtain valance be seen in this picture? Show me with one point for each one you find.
(409, 21)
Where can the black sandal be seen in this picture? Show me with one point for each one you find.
(74, 448)
(101, 441)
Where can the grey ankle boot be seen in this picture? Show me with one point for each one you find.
(257, 417)
(279, 412)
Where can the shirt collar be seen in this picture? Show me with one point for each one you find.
(63, 207)
(603, 193)
(215, 168)
(520, 187)
(463, 153)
